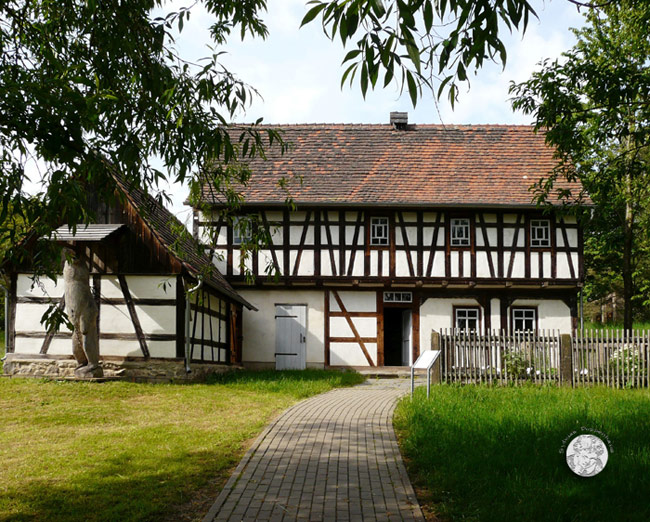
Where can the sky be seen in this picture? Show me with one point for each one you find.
(297, 73)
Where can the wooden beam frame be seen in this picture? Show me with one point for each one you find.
(134, 316)
(51, 333)
(357, 337)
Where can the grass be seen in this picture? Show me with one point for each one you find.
(595, 325)
(124, 451)
(497, 453)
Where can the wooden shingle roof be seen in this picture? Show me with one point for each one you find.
(170, 234)
(433, 165)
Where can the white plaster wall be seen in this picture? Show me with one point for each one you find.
(534, 264)
(43, 287)
(355, 301)
(366, 326)
(438, 314)
(219, 260)
(374, 263)
(357, 269)
(326, 263)
(572, 236)
(334, 235)
(153, 319)
(28, 316)
(553, 314)
(519, 266)
(546, 258)
(350, 354)
(412, 235)
(259, 327)
(113, 318)
(306, 267)
(401, 264)
(141, 287)
(495, 314)
(453, 262)
(266, 263)
(482, 265)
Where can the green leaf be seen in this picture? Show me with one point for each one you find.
(363, 79)
(312, 13)
(428, 16)
(412, 87)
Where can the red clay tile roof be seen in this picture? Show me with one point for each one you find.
(464, 165)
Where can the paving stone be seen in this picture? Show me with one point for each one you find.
(333, 457)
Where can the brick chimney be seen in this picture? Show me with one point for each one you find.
(399, 120)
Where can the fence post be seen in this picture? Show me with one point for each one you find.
(436, 378)
(566, 360)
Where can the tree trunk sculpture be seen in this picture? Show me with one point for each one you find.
(82, 312)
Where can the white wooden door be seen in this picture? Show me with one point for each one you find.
(406, 338)
(290, 337)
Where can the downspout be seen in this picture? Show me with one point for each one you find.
(188, 293)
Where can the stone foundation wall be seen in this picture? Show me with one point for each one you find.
(125, 370)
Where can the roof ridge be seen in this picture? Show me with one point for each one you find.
(521, 126)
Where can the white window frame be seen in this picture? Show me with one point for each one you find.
(466, 312)
(237, 237)
(398, 297)
(526, 315)
(379, 231)
(540, 233)
(460, 232)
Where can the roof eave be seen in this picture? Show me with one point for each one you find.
(398, 204)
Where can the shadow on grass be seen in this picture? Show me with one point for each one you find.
(117, 489)
(499, 453)
(126, 451)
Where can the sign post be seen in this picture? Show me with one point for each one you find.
(425, 362)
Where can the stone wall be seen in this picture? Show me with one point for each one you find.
(127, 370)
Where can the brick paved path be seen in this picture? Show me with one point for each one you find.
(331, 457)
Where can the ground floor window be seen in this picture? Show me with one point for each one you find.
(467, 318)
(524, 319)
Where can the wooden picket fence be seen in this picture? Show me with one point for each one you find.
(616, 359)
(499, 357)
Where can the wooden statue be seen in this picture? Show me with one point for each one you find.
(82, 312)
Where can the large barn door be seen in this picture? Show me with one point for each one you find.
(290, 337)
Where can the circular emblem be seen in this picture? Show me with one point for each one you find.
(586, 455)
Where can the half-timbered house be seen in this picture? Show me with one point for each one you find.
(145, 271)
(399, 230)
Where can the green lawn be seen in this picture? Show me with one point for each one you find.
(122, 451)
(497, 453)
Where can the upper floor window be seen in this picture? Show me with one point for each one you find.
(467, 318)
(460, 232)
(379, 231)
(241, 231)
(540, 233)
(524, 319)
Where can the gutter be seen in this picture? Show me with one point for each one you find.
(188, 294)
